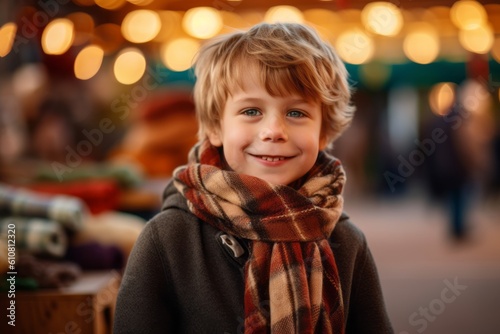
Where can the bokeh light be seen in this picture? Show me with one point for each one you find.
(129, 66)
(141, 26)
(88, 62)
(468, 14)
(382, 18)
(57, 36)
(442, 97)
(284, 14)
(178, 55)
(110, 4)
(140, 2)
(478, 40)
(202, 22)
(421, 43)
(7, 36)
(355, 46)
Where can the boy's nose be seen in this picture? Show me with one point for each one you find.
(274, 129)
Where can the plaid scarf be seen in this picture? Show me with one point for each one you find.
(291, 279)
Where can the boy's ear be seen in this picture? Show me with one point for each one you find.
(215, 138)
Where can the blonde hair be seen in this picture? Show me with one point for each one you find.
(291, 59)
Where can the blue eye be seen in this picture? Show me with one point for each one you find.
(251, 112)
(295, 113)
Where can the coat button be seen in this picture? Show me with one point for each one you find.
(230, 242)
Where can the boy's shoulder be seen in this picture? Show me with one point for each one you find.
(347, 235)
(345, 227)
(174, 213)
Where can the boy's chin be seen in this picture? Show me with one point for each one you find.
(283, 181)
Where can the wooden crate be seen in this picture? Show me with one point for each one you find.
(87, 306)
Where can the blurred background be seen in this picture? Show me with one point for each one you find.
(96, 112)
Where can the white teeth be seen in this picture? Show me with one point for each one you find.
(272, 159)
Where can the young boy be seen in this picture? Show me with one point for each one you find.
(251, 237)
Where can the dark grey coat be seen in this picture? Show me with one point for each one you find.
(184, 277)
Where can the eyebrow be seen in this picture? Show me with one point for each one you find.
(257, 100)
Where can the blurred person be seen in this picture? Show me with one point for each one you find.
(13, 134)
(461, 165)
(52, 130)
(252, 236)
(161, 134)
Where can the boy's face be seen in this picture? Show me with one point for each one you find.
(274, 138)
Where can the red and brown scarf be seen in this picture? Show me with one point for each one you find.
(291, 280)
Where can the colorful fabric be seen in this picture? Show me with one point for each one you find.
(291, 278)
(47, 274)
(36, 235)
(99, 195)
(126, 175)
(96, 256)
(69, 211)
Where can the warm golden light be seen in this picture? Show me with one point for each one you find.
(382, 18)
(479, 40)
(421, 43)
(355, 47)
(83, 25)
(283, 14)
(328, 23)
(110, 4)
(129, 66)
(140, 2)
(468, 14)
(252, 17)
(321, 17)
(442, 97)
(141, 26)
(439, 12)
(7, 36)
(350, 15)
(179, 54)
(232, 21)
(202, 22)
(57, 36)
(170, 25)
(88, 62)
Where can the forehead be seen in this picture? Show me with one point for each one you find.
(248, 75)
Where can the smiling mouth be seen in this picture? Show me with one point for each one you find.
(270, 158)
